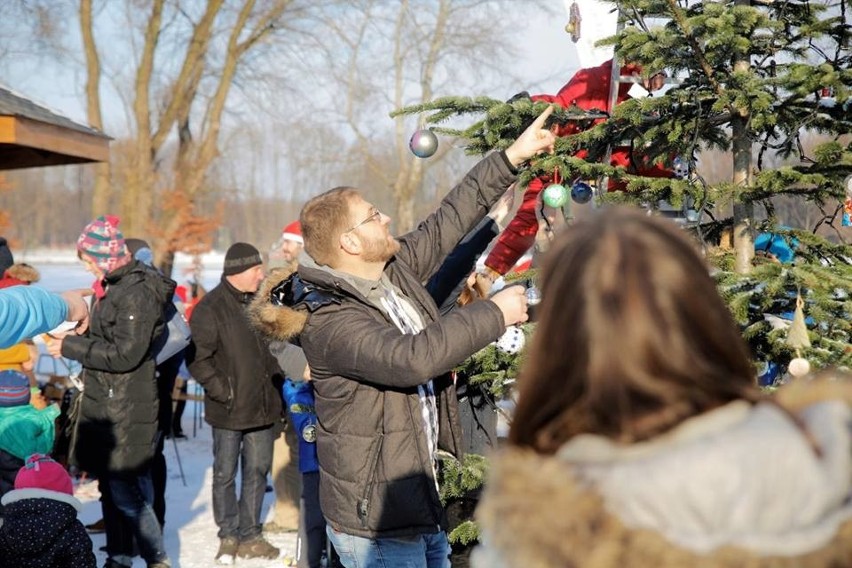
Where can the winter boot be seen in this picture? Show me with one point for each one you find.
(257, 548)
(227, 551)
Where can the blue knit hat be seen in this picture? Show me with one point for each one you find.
(14, 389)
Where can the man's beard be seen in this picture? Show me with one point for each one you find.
(380, 250)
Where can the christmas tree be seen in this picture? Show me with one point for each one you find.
(751, 79)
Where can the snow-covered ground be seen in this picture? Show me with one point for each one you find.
(190, 533)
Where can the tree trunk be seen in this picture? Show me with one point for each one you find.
(743, 213)
(101, 193)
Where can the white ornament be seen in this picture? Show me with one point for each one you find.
(512, 340)
(799, 367)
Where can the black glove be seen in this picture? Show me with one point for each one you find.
(518, 97)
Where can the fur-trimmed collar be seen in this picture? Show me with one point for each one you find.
(538, 512)
(36, 493)
(281, 323)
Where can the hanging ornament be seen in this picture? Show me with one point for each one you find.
(533, 296)
(797, 335)
(797, 338)
(423, 143)
(680, 167)
(512, 340)
(573, 27)
(799, 367)
(555, 195)
(581, 192)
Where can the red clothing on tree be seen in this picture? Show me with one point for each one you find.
(588, 89)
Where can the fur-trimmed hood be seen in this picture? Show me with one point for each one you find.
(281, 323)
(23, 272)
(738, 486)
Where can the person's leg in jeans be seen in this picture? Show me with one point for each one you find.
(312, 537)
(437, 550)
(256, 461)
(118, 529)
(132, 495)
(422, 551)
(226, 455)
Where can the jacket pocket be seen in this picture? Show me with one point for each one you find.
(364, 503)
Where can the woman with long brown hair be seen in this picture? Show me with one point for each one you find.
(640, 437)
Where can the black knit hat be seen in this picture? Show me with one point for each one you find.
(239, 258)
(6, 258)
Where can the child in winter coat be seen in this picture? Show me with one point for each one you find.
(299, 397)
(41, 526)
(24, 430)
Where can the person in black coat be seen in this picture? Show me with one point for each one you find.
(117, 429)
(41, 526)
(242, 402)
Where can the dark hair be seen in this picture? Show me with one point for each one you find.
(324, 218)
(633, 337)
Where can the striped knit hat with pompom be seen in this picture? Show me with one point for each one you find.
(104, 244)
(14, 388)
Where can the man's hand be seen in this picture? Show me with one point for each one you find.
(533, 140)
(78, 308)
(512, 301)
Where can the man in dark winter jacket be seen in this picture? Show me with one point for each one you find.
(380, 356)
(242, 383)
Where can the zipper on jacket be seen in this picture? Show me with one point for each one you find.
(364, 502)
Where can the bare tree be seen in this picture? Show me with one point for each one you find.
(379, 56)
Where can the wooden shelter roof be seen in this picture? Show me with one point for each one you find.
(32, 135)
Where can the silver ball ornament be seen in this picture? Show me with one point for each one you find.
(555, 195)
(533, 296)
(680, 167)
(581, 192)
(423, 143)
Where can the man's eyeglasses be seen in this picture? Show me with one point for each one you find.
(374, 216)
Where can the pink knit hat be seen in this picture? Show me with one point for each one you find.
(41, 472)
(104, 244)
(292, 232)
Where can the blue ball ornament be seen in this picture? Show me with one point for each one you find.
(581, 192)
(423, 143)
(555, 195)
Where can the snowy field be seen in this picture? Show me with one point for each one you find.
(190, 533)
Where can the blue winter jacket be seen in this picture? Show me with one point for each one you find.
(299, 398)
(26, 311)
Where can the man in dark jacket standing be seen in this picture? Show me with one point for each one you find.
(242, 403)
(380, 357)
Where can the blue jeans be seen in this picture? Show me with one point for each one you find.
(132, 495)
(252, 450)
(421, 551)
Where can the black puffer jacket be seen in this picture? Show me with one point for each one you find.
(376, 477)
(241, 378)
(41, 529)
(118, 414)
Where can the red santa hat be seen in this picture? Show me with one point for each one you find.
(292, 232)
